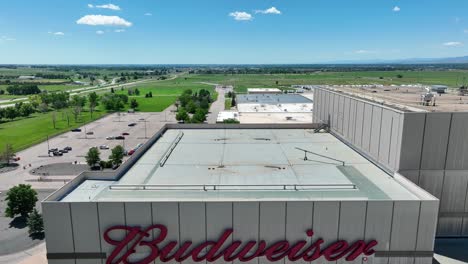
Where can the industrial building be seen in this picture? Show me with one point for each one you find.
(264, 91)
(242, 193)
(272, 108)
(429, 148)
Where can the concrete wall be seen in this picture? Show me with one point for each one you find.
(430, 149)
(404, 229)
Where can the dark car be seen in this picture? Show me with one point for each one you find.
(120, 137)
(58, 153)
(63, 151)
(53, 150)
(67, 148)
(132, 124)
(125, 134)
(76, 130)
(90, 133)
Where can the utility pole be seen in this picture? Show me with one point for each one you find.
(145, 130)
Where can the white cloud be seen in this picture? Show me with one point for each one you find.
(5, 38)
(58, 33)
(396, 9)
(148, 14)
(119, 30)
(106, 6)
(364, 51)
(241, 16)
(271, 10)
(100, 20)
(453, 44)
(99, 32)
(109, 6)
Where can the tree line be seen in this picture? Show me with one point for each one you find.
(192, 107)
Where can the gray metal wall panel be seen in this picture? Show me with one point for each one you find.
(404, 225)
(346, 117)
(58, 227)
(298, 221)
(427, 225)
(379, 223)
(218, 219)
(341, 114)
(246, 223)
(432, 181)
(192, 224)
(352, 224)
(367, 127)
(352, 121)
(395, 144)
(336, 112)
(88, 261)
(325, 222)
(410, 154)
(412, 175)
(138, 214)
(61, 261)
(317, 106)
(110, 214)
(449, 226)
(376, 131)
(360, 106)
(85, 227)
(386, 130)
(167, 214)
(454, 191)
(457, 156)
(272, 224)
(435, 141)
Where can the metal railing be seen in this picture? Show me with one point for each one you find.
(221, 187)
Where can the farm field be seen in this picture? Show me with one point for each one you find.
(243, 81)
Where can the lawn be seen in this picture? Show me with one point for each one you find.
(154, 104)
(227, 104)
(25, 132)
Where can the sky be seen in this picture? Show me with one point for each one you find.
(229, 31)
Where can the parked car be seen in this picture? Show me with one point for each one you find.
(130, 152)
(16, 158)
(90, 133)
(120, 137)
(67, 148)
(110, 138)
(76, 130)
(103, 147)
(132, 124)
(125, 134)
(53, 150)
(63, 151)
(58, 153)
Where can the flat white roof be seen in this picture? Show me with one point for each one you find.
(246, 165)
(261, 90)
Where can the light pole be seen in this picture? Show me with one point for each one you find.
(48, 146)
(145, 129)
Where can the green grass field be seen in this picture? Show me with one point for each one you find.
(243, 81)
(25, 132)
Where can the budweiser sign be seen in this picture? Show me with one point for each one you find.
(225, 249)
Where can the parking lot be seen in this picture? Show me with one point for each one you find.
(110, 126)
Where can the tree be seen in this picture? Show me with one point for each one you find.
(93, 102)
(137, 92)
(199, 116)
(231, 121)
(182, 115)
(11, 113)
(92, 157)
(8, 154)
(134, 104)
(35, 223)
(26, 110)
(191, 107)
(399, 76)
(112, 90)
(233, 101)
(117, 155)
(21, 200)
(78, 102)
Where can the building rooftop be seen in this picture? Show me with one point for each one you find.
(264, 90)
(246, 165)
(272, 99)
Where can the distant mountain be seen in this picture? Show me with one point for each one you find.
(449, 60)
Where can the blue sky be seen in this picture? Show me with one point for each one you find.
(229, 31)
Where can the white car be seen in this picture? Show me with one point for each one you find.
(103, 147)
